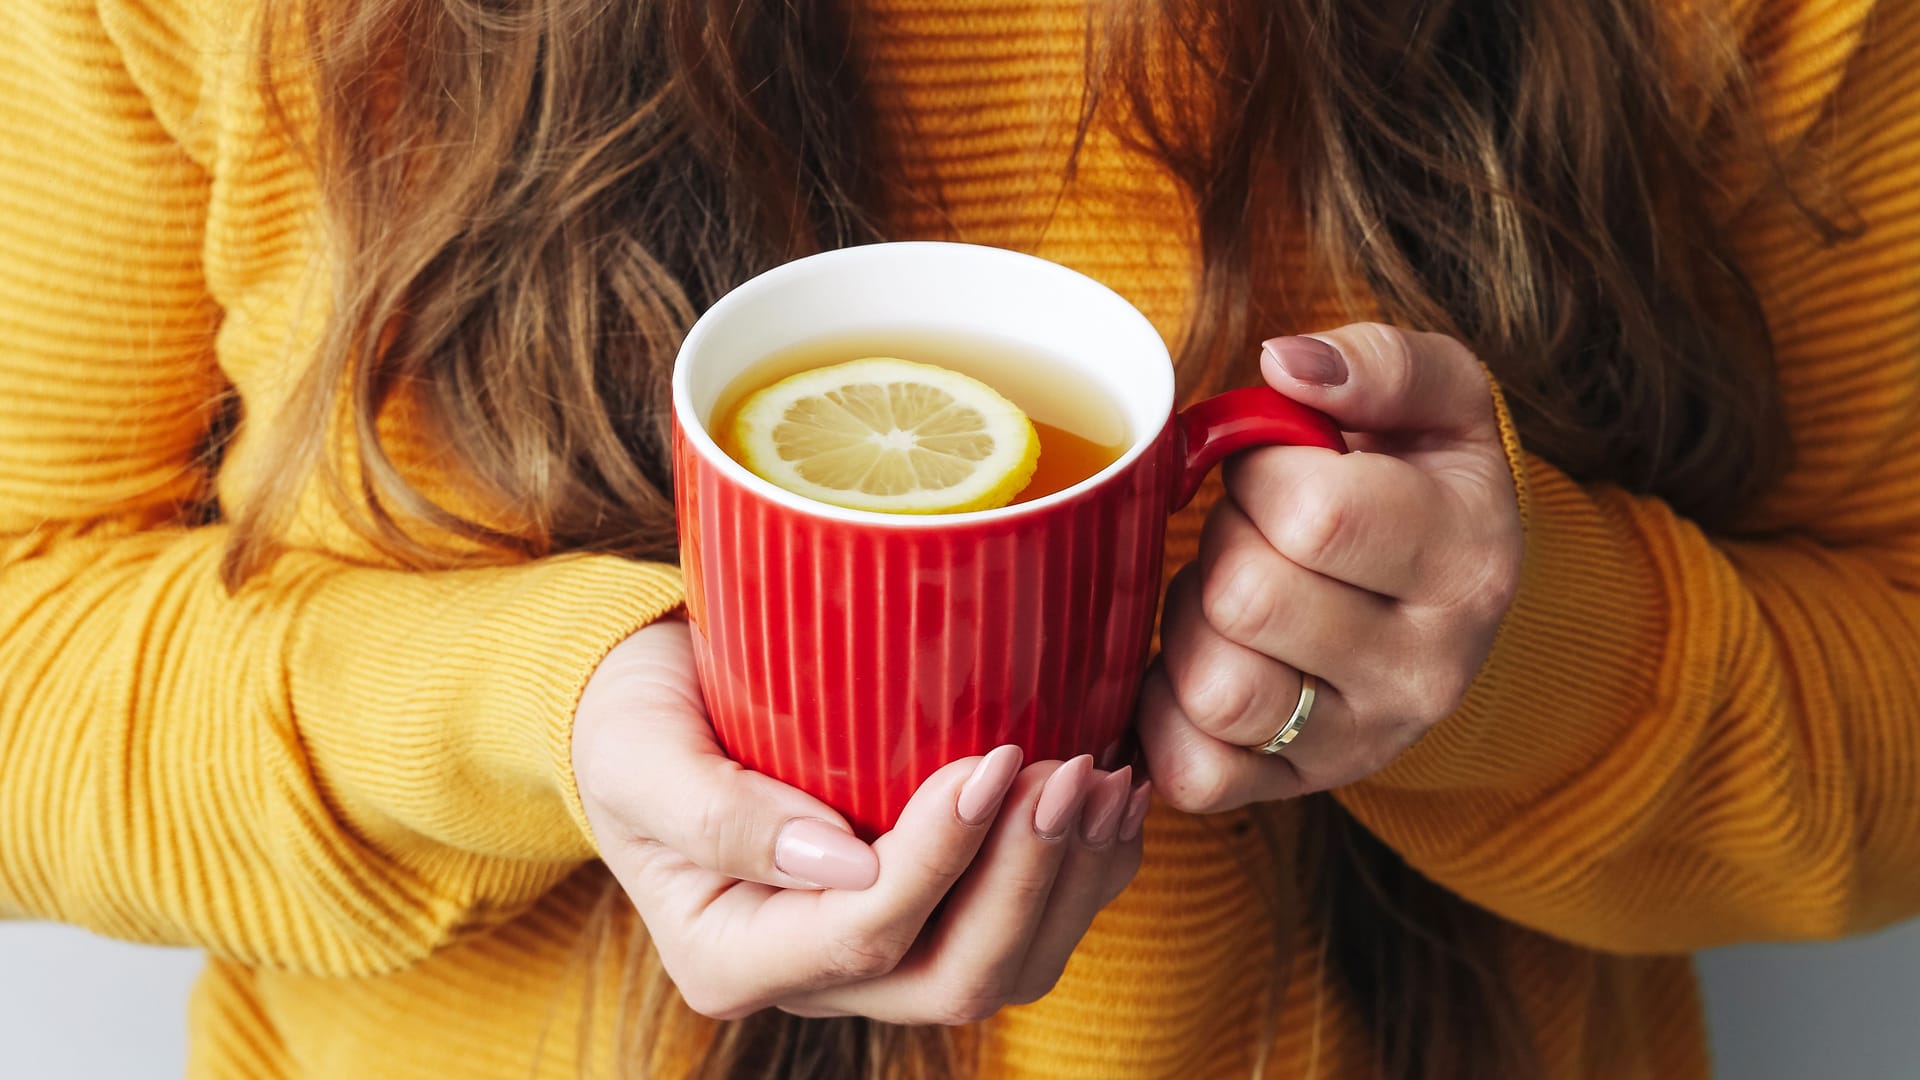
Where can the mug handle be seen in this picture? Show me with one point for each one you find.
(1210, 430)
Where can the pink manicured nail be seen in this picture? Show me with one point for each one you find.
(1136, 812)
(1105, 805)
(980, 796)
(1307, 360)
(1062, 797)
(817, 853)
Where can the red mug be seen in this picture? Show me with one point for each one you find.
(850, 653)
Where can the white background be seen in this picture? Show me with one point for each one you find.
(74, 1007)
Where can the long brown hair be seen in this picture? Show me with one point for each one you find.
(527, 204)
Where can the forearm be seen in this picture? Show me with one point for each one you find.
(335, 770)
(1675, 743)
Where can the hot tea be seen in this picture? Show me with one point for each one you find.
(1081, 431)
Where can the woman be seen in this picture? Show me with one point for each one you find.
(336, 599)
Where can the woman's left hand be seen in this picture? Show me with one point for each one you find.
(1384, 572)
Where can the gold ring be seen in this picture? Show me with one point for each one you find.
(1290, 730)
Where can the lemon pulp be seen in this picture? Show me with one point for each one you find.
(889, 435)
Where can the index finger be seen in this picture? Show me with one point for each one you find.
(1371, 377)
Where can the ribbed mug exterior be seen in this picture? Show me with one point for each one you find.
(852, 660)
(852, 654)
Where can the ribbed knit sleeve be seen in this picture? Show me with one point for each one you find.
(339, 769)
(1683, 740)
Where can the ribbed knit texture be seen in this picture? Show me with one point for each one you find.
(350, 783)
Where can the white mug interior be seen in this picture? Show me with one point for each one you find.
(935, 287)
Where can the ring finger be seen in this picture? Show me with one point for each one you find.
(1223, 688)
(1197, 773)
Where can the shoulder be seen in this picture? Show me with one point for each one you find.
(1799, 52)
(180, 52)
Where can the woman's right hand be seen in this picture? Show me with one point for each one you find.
(757, 895)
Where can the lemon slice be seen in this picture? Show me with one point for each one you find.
(888, 435)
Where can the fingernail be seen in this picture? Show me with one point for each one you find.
(1105, 804)
(1136, 812)
(1062, 797)
(815, 852)
(1307, 360)
(980, 796)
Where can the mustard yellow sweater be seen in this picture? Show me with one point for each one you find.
(350, 784)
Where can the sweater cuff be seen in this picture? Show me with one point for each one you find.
(1584, 639)
(589, 610)
(456, 723)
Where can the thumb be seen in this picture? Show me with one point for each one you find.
(650, 772)
(747, 825)
(1375, 378)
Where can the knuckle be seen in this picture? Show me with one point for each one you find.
(1311, 779)
(1317, 526)
(970, 1001)
(1392, 353)
(965, 1012)
(1485, 601)
(1503, 575)
(944, 861)
(1235, 598)
(1213, 695)
(715, 826)
(857, 956)
(1432, 692)
(1196, 788)
(1029, 892)
(692, 973)
(713, 1002)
